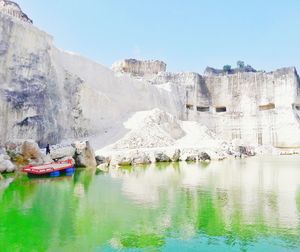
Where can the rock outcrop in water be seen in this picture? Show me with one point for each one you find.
(84, 155)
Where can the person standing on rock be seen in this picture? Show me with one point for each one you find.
(47, 149)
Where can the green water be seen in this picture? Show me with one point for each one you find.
(233, 205)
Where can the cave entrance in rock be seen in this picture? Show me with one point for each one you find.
(266, 106)
(296, 106)
(190, 106)
(202, 109)
(221, 109)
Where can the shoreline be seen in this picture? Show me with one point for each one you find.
(83, 155)
(131, 157)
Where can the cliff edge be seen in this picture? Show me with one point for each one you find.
(13, 9)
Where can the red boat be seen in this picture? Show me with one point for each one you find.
(53, 169)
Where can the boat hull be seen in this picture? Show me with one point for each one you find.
(51, 169)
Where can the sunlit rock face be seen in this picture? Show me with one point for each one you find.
(139, 67)
(13, 9)
(49, 95)
(255, 107)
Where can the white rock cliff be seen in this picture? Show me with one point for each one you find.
(255, 107)
(50, 95)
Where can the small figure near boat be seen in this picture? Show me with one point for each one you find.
(47, 149)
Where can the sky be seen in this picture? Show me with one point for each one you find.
(188, 35)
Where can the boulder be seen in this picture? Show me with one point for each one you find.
(104, 167)
(59, 152)
(125, 161)
(84, 155)
(140, 158)
(31, 151)
(176, 155)
(120, 159)
(5, 164)
(204, 157)
(191, 158)
(101, 160)
(47, 159)
(162, 157)
(24, 151)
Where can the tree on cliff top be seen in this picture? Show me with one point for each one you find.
(226, 68)
(240, 64)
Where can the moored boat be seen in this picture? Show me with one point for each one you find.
(53, 169)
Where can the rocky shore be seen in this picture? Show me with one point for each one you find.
(18, 153)
(152, 136)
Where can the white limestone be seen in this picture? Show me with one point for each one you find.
(13, 9)
(50, 96)
(139, 67)
(258, 108)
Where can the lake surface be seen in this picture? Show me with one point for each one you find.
(234, 205)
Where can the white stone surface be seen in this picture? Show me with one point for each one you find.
(13, 9)
(139, 67)
(50, 95)
(242, 94)
(5, 164)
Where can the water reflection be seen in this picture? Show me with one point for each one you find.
(251, 204)
(267, 192)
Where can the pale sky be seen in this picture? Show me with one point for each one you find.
(188, 35)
